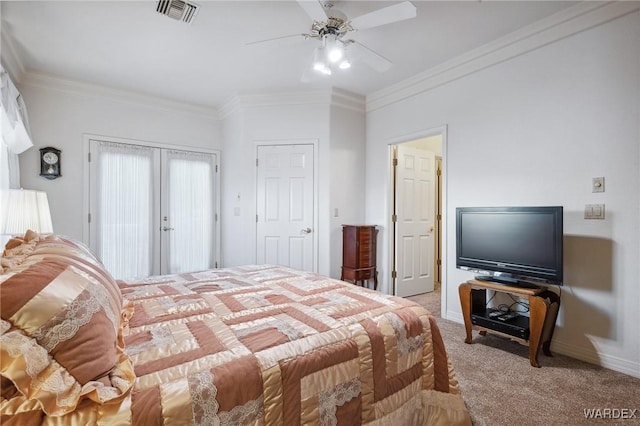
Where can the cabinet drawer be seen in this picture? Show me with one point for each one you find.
(349, 274)
(365, 260)
(358, 246)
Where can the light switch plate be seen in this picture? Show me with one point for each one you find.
(597, 184)
(594, 211)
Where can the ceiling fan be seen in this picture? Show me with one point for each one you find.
(331, 28)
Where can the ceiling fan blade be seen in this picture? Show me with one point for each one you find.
(273, 39)
(314, 9)
(372, 58)
(386, 15)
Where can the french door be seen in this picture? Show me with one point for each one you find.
(152, 210)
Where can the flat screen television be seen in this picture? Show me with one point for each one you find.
(511, 245)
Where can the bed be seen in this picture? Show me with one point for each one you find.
(251, 345)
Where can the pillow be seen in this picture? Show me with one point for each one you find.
(62, 324)
(17, 249)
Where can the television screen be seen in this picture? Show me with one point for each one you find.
(511, 244)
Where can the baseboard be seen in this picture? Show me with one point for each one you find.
(603, 360)
(454, 316)
(621, 365)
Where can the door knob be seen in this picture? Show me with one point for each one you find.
(164, 228)
(306, 230)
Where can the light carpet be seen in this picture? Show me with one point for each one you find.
(500, 387)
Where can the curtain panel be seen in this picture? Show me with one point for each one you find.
(125, 203)
(14, 125)
(191, 207)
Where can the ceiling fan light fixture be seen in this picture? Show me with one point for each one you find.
(325, 71)
(322, 68)
(319, 61)
(335, 51)
(334, 54)
(344, 64)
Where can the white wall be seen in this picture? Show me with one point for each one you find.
(60, 113)
(248, 124)
(534, 130)
(301, 117)
(347, 177)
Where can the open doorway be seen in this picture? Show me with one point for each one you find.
(416, 218)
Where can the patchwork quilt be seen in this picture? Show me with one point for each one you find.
(251, 345)
(283, 347)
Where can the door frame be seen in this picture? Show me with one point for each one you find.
(434, 131)
(280, 142)
(86, 184)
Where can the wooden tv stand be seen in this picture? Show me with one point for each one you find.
(543, 312)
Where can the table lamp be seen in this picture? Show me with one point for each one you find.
(24, 209)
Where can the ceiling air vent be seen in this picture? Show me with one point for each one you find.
(178, 10)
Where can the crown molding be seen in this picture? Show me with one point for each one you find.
(348, 100)
(560, 25)
(51, 82)
(330, 97)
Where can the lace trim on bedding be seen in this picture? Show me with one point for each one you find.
(258, 299)
(160, 337)
(168, 304)
(336, 300)
(45, 373)
(119, 385)
(287, 329)
(78, 313)
(173, 306)
(5, 326)
(243, 414)
(282, 326)
(203, 399)
(35, 356)
(222, 285)
(405, 344)
(331, 399)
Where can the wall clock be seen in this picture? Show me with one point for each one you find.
(50, 162)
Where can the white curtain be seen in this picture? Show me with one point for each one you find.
(125, 204)
(15, 135)
(190, 210)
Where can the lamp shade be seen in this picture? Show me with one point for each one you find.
(24, 209)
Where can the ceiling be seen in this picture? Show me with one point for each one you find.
(127, 45)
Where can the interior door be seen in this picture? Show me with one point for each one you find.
(285, 206)
(152, 210)
(415, 195)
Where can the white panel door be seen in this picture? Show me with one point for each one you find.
(285, 206)
(415, 204)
